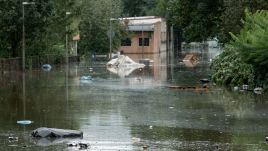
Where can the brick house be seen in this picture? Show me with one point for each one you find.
(147, 35)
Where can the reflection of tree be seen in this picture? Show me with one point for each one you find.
(246, 119)
(239, 104)
(44, 100)
(181, 138)
(179, 134)
(10, 98)
(190, 76)
(219, 116)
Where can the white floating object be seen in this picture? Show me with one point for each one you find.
(86, 78)
(135, 140)
(123, 65)
(258, 90)
(236, 88)
(46, 67)
(24, 122)
(245, 87)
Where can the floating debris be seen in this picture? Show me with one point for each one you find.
(13, 145)
(44, 132)
(123, 66)
(86, 78)
(236, 88)
(150, 127)
(46, 67)
(13, 139)
(145, 148)
(258, 90)
(190, 60)
(194, 88)
(83, 146)
(204, 81)
(72, 144)
(135, 140)
(24, 122)
(245, 87)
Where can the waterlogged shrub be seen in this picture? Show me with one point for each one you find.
(229, 69)
(245, 58)
(252, 44)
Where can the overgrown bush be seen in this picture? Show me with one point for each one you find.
(246, 56)
(252, 44)
(229, 69)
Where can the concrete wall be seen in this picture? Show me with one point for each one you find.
(155, 39)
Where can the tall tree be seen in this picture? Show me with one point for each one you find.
(251, 43)
(198, 20)
(233, 13)
(161, 8)
(52, 40)
(44, 22)
(133, 8)
(11, 24)
(98, 22)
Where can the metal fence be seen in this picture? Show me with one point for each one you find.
(34, 62)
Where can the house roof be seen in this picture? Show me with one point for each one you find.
(146, 20)
(145, 23)
(141, 27)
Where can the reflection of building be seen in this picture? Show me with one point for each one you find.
(157, 71)
(146, 35)
(190, 60)
(74, 45)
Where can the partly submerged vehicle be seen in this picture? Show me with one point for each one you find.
(123, 65)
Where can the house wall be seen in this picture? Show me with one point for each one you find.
(135, 48)
(154, 46)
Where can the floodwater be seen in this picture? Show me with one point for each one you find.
(130, 110)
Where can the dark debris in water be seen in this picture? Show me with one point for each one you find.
(79, 145)
(205, 145)
(13, 139)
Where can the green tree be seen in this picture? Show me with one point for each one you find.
(229, 69)
(95, 26)
(161, 8)
(252, 44)
(132, 8)
(11, 24)
(44, 26)
(233, 13)
(52, 40)
(198, 20)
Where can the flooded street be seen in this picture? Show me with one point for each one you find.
(130, 111)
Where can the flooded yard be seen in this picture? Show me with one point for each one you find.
(136, 111)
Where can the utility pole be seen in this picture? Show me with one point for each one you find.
(142, 37)
(66, 40)
(23, 33)
(23, 59)
(110, 38)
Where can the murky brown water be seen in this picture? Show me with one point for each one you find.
(128, 113)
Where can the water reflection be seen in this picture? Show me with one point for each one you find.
(127, 113)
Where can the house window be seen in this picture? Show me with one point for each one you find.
(126, 42)
(146, 42)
